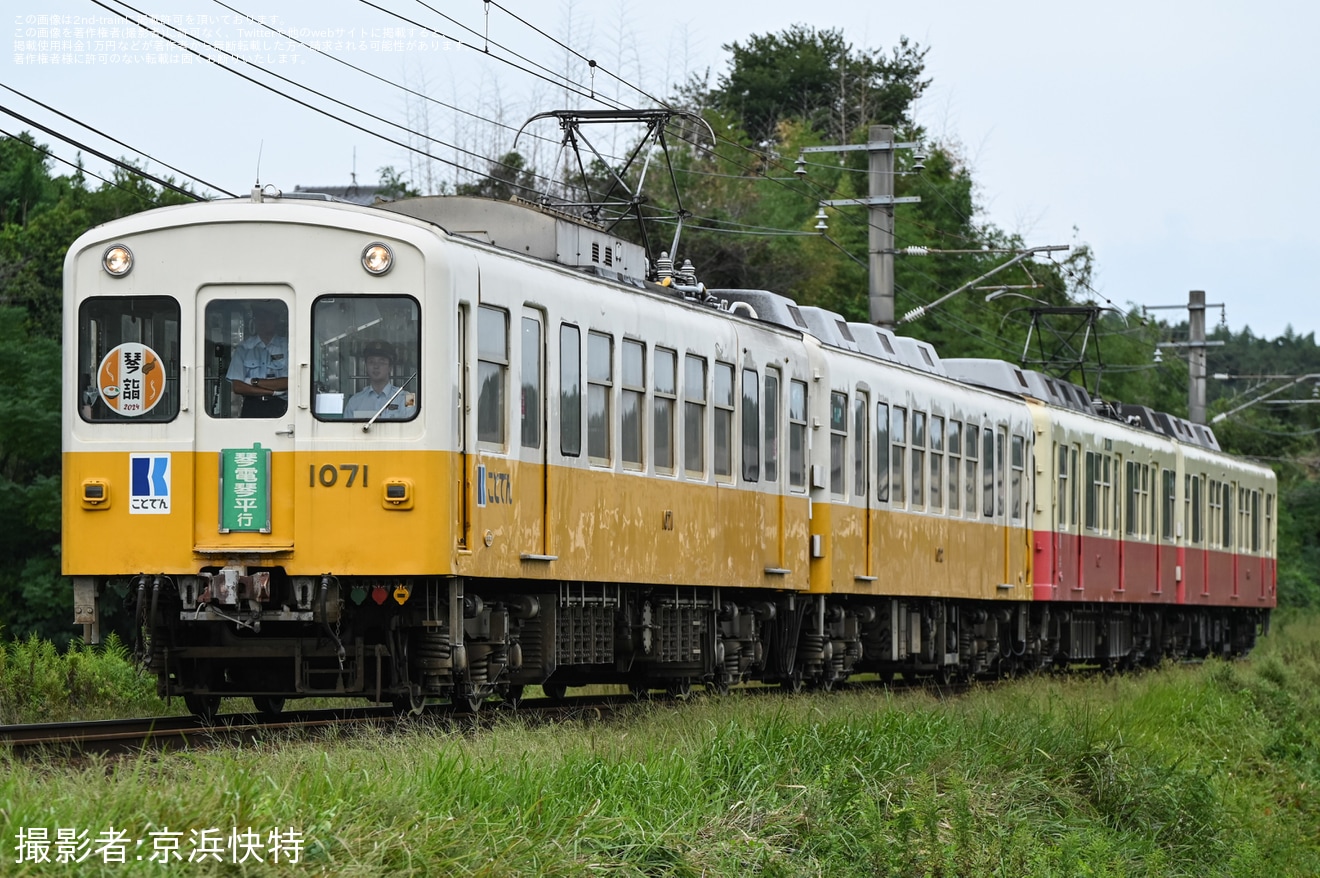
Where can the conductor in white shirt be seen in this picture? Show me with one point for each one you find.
(381, 394)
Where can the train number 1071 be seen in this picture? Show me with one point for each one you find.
(328, 475)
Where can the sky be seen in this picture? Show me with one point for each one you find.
(1176, 138)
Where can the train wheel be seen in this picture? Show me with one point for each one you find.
(469, 698)
(204, 707)
(718, 686)
(268, 705)
(680, 689)
(409, 703)
(555, 691)
(945, 675)
(512, 694)
(793, 683)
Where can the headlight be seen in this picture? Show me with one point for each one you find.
(377, 258)
(118, 260)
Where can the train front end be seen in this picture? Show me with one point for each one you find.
(256, 443)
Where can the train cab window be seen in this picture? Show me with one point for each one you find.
(797, 434)
(492, 373)
(917, 495)
(723, 400)
(953, 447)
(860, 482)
(600, 386)
(838, 440)
(128, 359)
(897, 458)
(936, 463)
(969, 464)
(632, 398)
(364, 356)
(570, 390)
(882, 452)
(246, 359)
(694, 414)
(771, 432)
(664, 370)
(751, 425)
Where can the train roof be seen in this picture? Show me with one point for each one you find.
(545, 233)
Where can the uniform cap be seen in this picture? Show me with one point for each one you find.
(379, 349)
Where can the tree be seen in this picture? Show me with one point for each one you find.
(818, 78)
(506, 178)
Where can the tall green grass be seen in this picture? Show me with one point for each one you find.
(39, 683)
(1200, 771)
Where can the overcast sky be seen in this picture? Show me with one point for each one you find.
(1178, 138)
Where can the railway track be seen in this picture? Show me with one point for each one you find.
(117, 737)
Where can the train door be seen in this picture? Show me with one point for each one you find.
(533, 480)
(861, 480)
(247, 384)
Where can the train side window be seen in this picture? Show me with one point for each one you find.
(600, 388)
(897, 459)
(797, 434)
(128, 359)
(723, 419)
(771, 447)
(882, 452)
(664, 371)
(1168, 486)
(1255, 521)
(694, 414)
(988, 472)
(1061, 484)
(570, 390)
(936, 463)
(1198, 508)
(969, 463)
(1227, 510)
(632, 401)
(953, 447)
(1001, 439)
(860, 483)
(751, 425)
(1132, 498)
(1018, 474)
(531, 383)
(492, 370)
(838, 440)
(1268, 540)
(365, 356)
(917, 494)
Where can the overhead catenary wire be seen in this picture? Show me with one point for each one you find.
(82, 170)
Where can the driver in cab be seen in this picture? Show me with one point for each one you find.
(381, 394)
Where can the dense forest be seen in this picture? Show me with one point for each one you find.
(750, 221)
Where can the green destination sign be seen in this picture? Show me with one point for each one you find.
(245, 489)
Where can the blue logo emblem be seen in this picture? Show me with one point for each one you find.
(149, 484)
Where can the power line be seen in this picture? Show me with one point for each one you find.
(82, 170)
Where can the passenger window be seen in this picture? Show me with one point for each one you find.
(492, 369)
(600, 385)
(694, 414)
(882, 452)
(723, 419)
(570, 390)
(531, 383)
(861, 484)
(936, 463)
(751, 425)
(128, 359)
(838, 440)
(918, 494)
(631, 402)
(797, 434)
(954, 449)
(666, 364)
(897, 461)
(365, 357)
(771, 424)
(969, 463)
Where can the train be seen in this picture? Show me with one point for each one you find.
(450, 447)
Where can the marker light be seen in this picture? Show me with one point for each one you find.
(118, 260)
(377, 258)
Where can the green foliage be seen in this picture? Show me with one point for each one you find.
(507, 177)
(40, 216)
(818, 78)
(38, 683)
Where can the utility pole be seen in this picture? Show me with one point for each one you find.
(1196, 345)
(880, 216)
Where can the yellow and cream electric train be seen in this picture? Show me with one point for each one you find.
(451, 447)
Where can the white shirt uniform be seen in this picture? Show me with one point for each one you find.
(253, 358)
(367, 402)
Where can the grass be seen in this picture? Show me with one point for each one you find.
(1199, 771)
